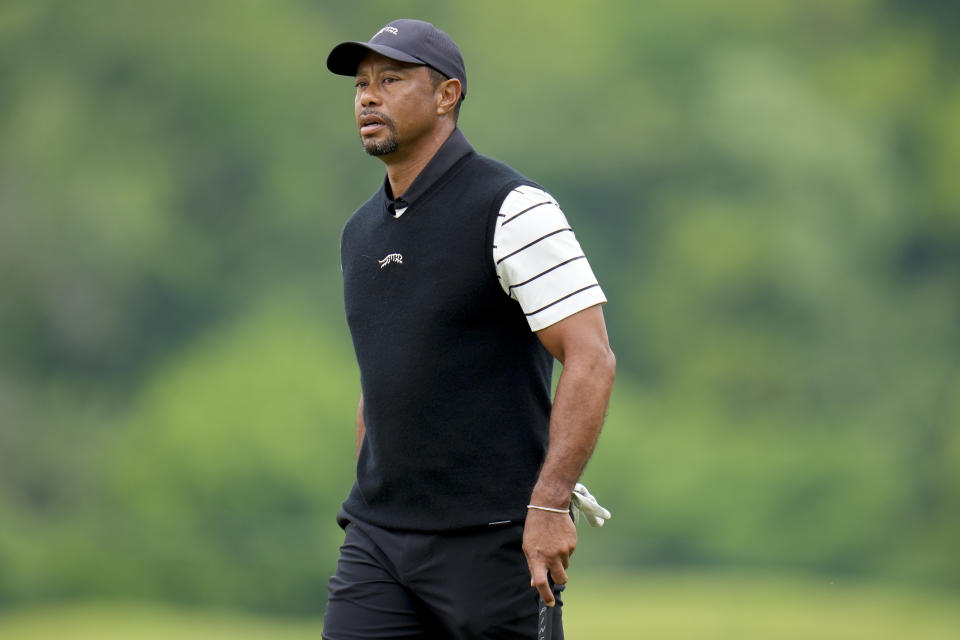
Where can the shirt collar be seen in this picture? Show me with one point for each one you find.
(454, 148)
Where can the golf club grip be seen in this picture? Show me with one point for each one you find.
(544, 621)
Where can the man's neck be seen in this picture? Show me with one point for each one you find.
(403, 168)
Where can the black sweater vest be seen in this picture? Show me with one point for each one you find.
(456, 387)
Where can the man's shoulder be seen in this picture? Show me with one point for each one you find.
(498, 174)
(367, 211)
(373, 203)
(480, 162)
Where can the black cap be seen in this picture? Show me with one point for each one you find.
(413, 41)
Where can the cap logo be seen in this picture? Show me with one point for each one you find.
(392, 30)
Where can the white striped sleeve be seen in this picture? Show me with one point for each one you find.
(539, 261)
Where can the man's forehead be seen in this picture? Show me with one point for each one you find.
(379, 62)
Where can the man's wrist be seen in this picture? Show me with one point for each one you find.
(555, 497)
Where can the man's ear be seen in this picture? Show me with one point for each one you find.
(448, 95)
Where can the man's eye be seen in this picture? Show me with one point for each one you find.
(357, 85)
(389, 80)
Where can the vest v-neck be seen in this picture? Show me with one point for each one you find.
(453, 149)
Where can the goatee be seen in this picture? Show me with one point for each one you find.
(382, 148)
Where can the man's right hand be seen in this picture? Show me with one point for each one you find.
(549, 540)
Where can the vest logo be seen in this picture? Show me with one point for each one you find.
(393, 257)
(392, 30)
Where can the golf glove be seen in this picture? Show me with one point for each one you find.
(583, 502)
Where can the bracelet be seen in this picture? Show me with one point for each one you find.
(550, 509)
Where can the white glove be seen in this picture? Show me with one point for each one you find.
(583, 501)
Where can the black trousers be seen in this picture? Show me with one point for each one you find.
(457, 585)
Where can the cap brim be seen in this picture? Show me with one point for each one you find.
(346, 56)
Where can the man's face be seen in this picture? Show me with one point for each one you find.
(394, 105)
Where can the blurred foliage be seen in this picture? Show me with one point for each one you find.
(766, 190)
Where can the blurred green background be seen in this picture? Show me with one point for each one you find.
(767, 191)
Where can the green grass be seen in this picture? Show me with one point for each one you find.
(672, 606)
(115, 621)
(737, 607)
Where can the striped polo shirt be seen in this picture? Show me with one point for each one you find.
(538, 260)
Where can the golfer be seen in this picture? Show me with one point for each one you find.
(463, 281)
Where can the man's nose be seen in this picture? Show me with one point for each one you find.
(368, 96)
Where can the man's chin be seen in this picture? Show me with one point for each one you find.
(380, 147)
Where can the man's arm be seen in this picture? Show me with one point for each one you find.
(580, 343)
(361, 427)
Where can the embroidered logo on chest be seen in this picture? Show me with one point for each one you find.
(393, 257)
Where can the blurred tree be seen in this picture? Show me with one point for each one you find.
(766, 191)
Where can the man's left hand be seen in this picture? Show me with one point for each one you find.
(548, 542)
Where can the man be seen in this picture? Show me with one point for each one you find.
(462, 282)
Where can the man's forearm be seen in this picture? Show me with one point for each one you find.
(583, 393)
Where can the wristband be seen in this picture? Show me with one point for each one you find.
(550, 509)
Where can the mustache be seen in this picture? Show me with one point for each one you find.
(384, 117)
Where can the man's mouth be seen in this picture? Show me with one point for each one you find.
(370, 124)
